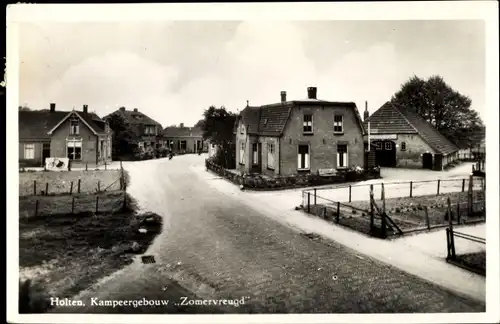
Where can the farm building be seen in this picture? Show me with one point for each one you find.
(182, 139)
(78, 135)
(402, 138)
(299, 136)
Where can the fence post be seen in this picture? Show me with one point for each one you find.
(382, 197)
(34, 187)
(458, 212)
(79, 181)
(86, 166)
(452, 243)
(314, 196)
(308, 202)
(98, 185)
(372, 220)
(105, 165)
(450, 216)
(36, 208)
(439, 185)
(121, 165)
(448, 244)
(463, 185)
(469, 196)
(73, 205)
(46, 189)
(96, 204)
(411, 189)
(427, 220)
(350, 193)
(71, 188)
(338, 212)
(384, 225)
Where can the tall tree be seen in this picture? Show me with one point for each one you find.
(124, 138)
(217, 126)
(445, 108)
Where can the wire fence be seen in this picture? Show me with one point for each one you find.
(82, 198)
(69, 182)
(399, 189)
(399, 217)
(466, 251)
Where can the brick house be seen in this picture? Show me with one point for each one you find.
(182, 139)
(300, 136)
(402, 138)
(78, 135)
(147, 130)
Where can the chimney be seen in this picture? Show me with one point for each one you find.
(122, 108)
(85, 108)
(52, 107)
(136, 110)
(181, 125)
(366, 114)
(311, 92)
(283, 96)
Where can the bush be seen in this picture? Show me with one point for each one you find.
(32, 298)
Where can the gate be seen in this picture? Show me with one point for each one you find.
(385, 153)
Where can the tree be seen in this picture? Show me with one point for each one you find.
(124, 138)
(445, 108)
(24, 108)
(217, 126)
(200, 124)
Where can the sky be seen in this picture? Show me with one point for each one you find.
(173, 70)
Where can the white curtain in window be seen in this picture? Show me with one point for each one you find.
(342, 160)
(270, 156)
(242, 152)
(29, 151)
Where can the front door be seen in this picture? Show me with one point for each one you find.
(45, 152)
(427, 161)
(385, 153)
(255, 157)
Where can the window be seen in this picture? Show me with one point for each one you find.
(338, 124)
(403, 146)
(242, 153)
(308, 124)
(303, 157)
(74, 127)
(270, 156)
(150, 130)
(255, 154)
(242, 129)
(74, 149)
(341, 156)
(378, 146)
(29, 151)
(388, 146)
(183, 145)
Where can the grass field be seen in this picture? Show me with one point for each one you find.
(476, 261)
(68, 253)
(56, 205)
(60, 182)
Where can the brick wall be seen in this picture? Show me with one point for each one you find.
(323, 143)
(415, 147)
(89, 142)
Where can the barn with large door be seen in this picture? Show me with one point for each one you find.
(401, 138)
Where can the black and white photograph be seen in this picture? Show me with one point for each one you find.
(317, 162)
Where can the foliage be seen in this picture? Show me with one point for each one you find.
(24, 108)
(218, 125)
(124, 138)
(445, 108)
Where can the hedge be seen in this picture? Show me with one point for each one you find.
(258, 182)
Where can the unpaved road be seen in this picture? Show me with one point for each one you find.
(215, 247)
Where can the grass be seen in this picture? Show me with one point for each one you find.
(60, 182)
(56, 205)
(68, 253)
(409, 214)
(475, 261)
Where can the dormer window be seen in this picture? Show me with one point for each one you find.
(74, 126)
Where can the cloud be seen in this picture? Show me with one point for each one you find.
(173, 72)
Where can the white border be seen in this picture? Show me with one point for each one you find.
(485, 10)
